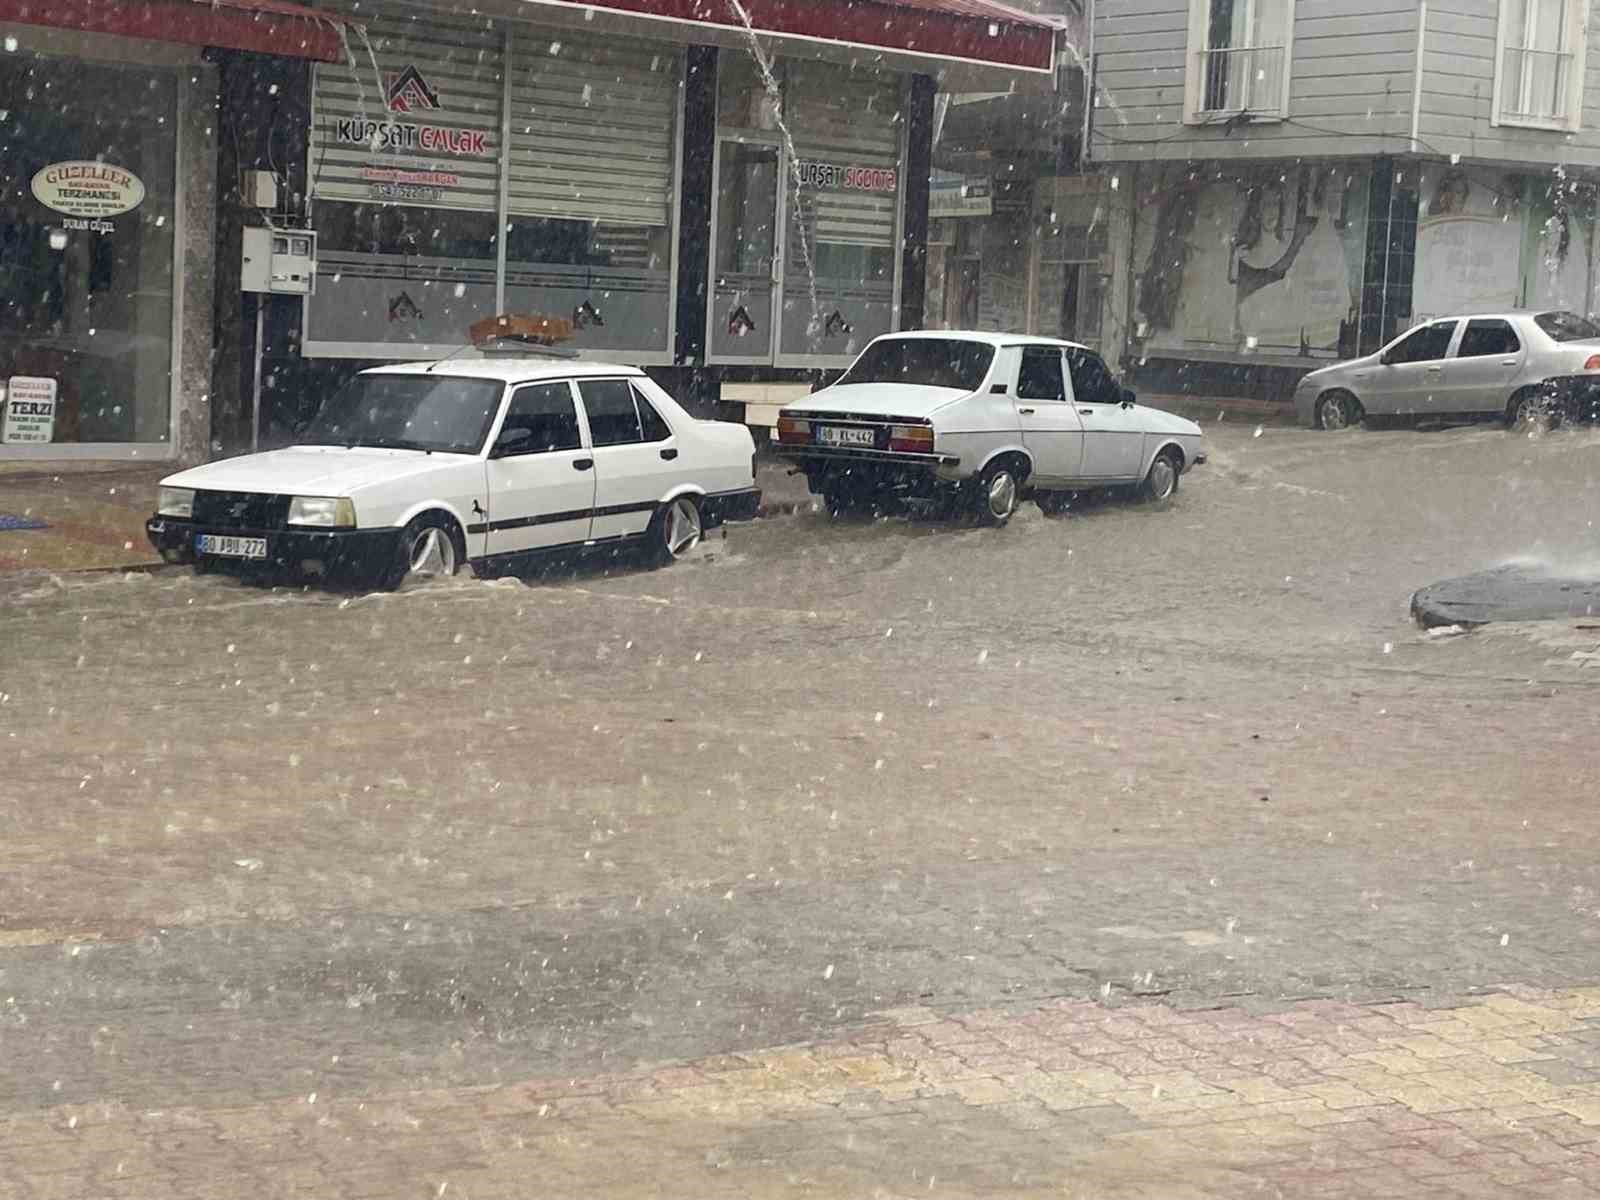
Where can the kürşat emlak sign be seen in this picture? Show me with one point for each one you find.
(835, 177)
(88, 189)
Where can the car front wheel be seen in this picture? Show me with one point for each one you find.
(428, 549)
(1337, 410)
(1161, 481)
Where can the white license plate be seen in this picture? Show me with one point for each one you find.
(836, 435)
(230, 547)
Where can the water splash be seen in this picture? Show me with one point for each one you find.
(769, 81)
(1093, 89)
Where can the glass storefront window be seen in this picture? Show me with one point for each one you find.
(86, 243)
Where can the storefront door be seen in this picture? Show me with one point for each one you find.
(747, 276)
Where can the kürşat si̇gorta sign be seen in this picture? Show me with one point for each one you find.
(833, 177)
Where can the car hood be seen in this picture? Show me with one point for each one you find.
(880, 399)
(1338, 370)
(1158, 420)
(313, 470)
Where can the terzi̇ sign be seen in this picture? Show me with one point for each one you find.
(88, 189)
(834, 177)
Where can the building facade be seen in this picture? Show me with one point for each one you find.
(1298, 183)
(735, 199)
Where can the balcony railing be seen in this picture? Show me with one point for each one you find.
(1534, 86)
(1235, 79)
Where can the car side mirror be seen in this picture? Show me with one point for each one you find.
(1386, 359)
(1128, 398)
(511, 440)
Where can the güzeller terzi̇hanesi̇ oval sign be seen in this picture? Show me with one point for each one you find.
(88, 189)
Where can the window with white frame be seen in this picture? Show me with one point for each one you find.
(1539, 63)
(1239, 55)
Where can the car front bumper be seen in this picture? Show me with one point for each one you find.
(326, 551)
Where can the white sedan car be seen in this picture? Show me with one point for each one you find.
(419, 469)
(986, 416)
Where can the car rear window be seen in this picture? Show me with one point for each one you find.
(1566, 327)
(929, 362)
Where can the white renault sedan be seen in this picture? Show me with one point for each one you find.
(983, 417)
(418, 469)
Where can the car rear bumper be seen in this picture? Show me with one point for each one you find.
(1579, 394)
(330, 551)
(823, 455)
(742, 505)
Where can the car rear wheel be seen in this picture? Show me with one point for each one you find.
(1161, 481)
(1533, 410)
(1053, 504)
(675, 530)
(1337, 410)
(998, 493)
(429, 549)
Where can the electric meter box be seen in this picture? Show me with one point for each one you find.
(279, 260)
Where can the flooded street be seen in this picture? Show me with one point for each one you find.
(479, 831)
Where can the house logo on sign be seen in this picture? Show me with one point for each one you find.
(404, 308)
(408, 92)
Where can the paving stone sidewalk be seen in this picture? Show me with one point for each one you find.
(1497, 1098)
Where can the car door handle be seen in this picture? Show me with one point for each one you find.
(1434, 370)
(1509, 362)
(669, 454)
(582, 464)
(1086, 412)
(1026, 411)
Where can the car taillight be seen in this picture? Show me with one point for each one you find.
(793, 431)
(1593, 363)
(911, 439)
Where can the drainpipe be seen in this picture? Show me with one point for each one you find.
(1416, 86)
(1087, 65)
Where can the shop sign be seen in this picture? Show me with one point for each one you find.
(30, 411)
(960, 196)
(825, 176)
(88, 189)
(407, 92)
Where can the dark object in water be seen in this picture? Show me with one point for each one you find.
(1513, 593)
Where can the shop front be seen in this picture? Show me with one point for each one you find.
(89, 208)
(469, 167)
(473, 166)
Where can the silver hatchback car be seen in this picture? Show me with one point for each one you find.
(1527, 367)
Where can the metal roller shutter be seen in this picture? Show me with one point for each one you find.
(846, 120)
(592, 129)
(431, 101)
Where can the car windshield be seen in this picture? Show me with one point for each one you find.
(1567, 327)
(408, 412)
(930, 362)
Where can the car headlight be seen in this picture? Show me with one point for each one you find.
(175, 502)
(328, 512)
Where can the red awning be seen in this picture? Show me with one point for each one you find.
(979, 31)
(263, 26)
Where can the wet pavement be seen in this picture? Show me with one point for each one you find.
(434, 853)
